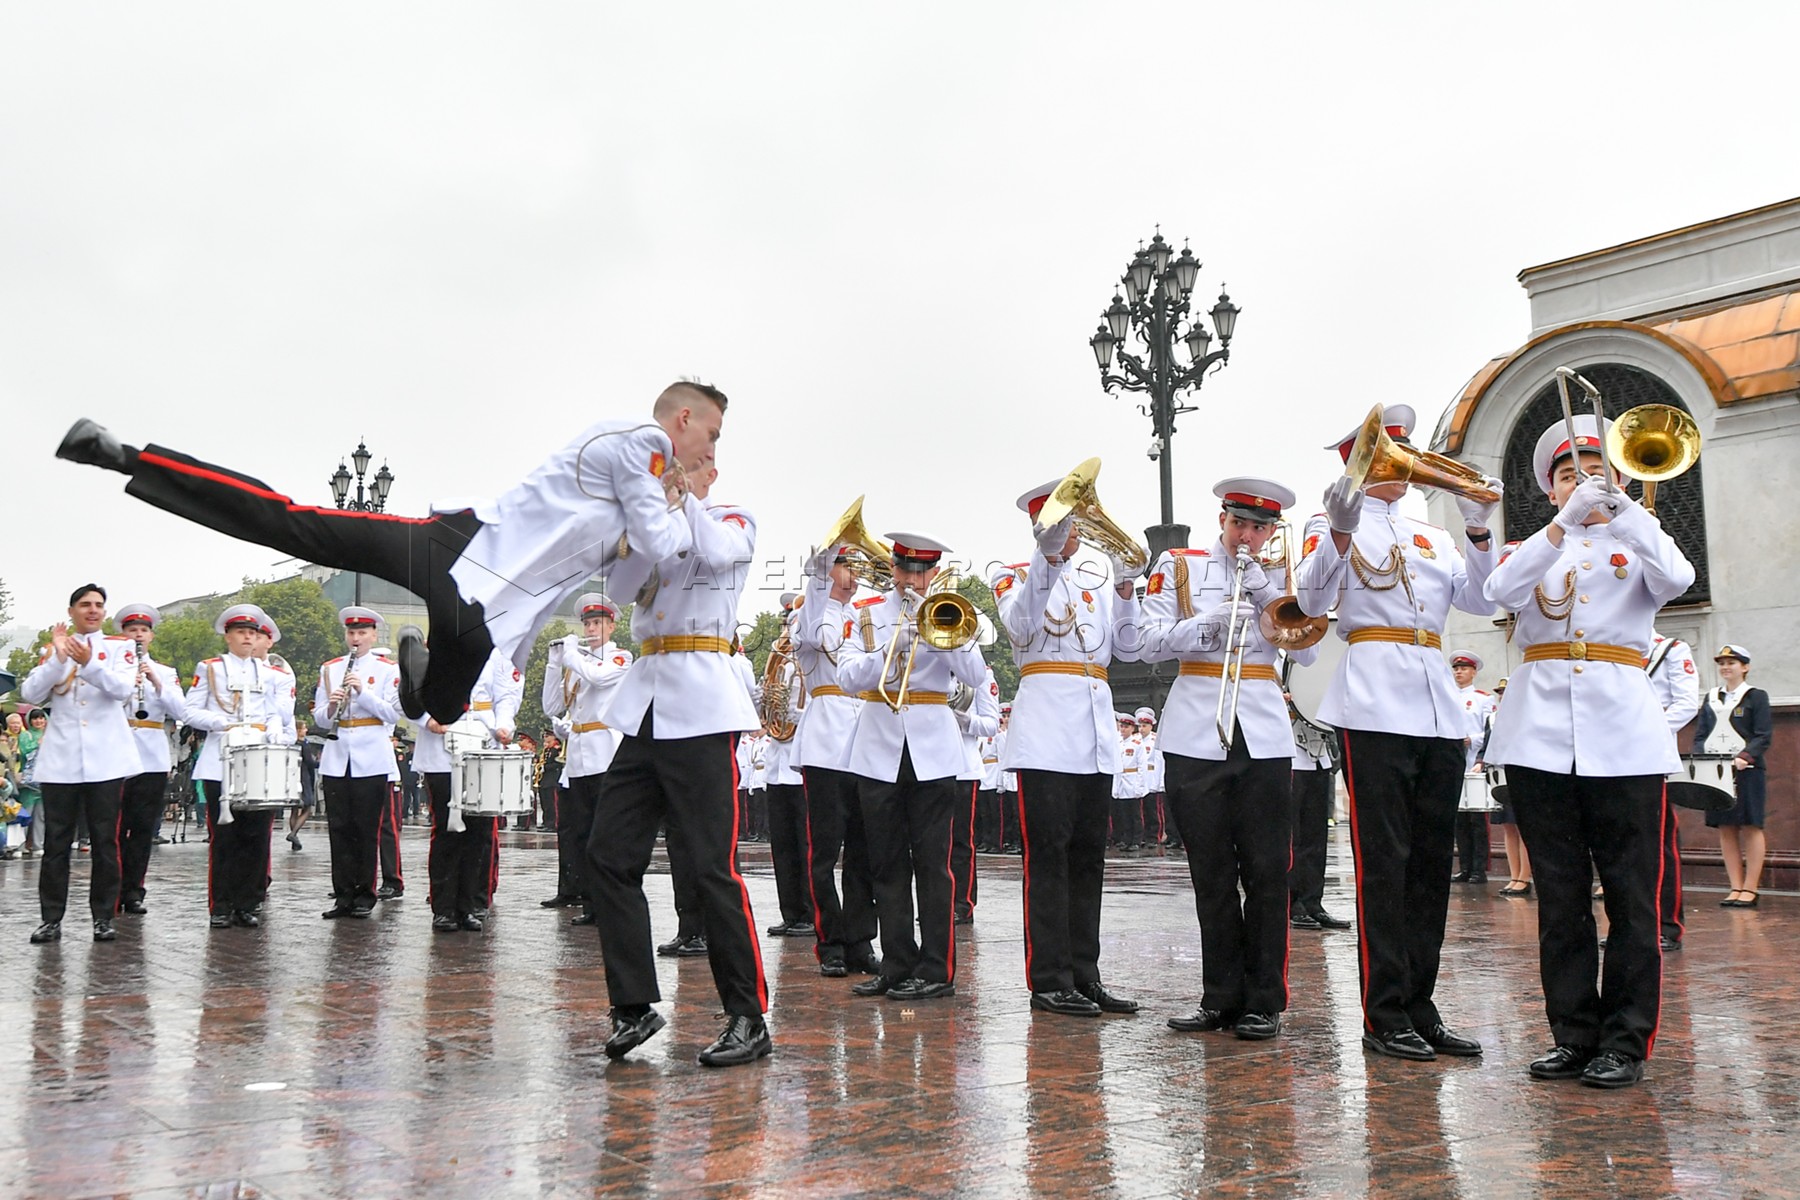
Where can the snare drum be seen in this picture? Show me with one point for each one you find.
(1705, 781)
(464, 736)
(262, 777)
(1496, 779)
(1475, 794)
(490, 783)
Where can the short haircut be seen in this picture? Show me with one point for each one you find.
(76, 595)
(670, 400)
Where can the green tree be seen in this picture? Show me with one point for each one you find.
(532, 718)
(759, 637)
(310, 633)
(23, 658)
(999, 655)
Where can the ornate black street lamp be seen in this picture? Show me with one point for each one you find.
(1157, 285)
(373, 500)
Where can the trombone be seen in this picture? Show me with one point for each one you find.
(1652, 443)
(1563, 375)
(944, 620)
(1282, 622)
(1236, 642)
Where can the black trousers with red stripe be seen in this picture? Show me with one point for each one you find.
(454, 863)
(414, 553)
(388, 839)
(140, 808)
(962, 851)
(61, 807)
(1616, 824)
(1403, 797)
(1062, 823)
(787, 850)
(1311, 816)
(1472, 842)
(987, 820)
(1233, 814)
(845, 926)
(237, 877)
(1668, 897)
(907, 823)
(575, 807)
(692, 780)
(356, 809)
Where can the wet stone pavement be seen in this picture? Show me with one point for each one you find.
(372, 1059)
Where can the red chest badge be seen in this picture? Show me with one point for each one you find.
(1620, 562)
(1423, 544)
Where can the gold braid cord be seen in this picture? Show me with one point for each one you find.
(1562, 606)
(1184, 603)
(1383, 578)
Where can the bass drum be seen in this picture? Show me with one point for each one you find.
(1308, 684)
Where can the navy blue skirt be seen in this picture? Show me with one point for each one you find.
(1752, 791)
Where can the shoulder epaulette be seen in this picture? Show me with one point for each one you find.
(211, 660)
(868, 600)
(1191, 551)
(1017, 566)
(338, 659)
(118, 637)
(1483, 692)
(278, 667)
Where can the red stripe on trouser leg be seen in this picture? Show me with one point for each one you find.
(1662, 858)
(211, 845)
(119, 852)
(1362, 942)
(762, 983)
(969, 891)
(949, 869)
(812, 892)
(198, 472)
(1672, 864)
(1025, 844)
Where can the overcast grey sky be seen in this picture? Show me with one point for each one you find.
(464, 232)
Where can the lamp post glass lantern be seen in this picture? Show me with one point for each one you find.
(1156, 310)
(372, 498)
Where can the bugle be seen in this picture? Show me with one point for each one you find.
(1076, 496)
(872, 560)
(1376, 459)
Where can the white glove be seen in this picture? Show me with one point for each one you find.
(1590, 494)
(818, 562)
(1121, 572)
(1343, 505)
(1475, 513)
(1255, 578)
(1216, 622)
(1052, 540)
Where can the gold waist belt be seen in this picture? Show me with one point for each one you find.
(911, 697)
(137, 724)
(1090, 670)
(587, 727)
(684, 644)
(1584, 652)
(1403, 637)
(827, 689)
(360, 723)
(1211, 670)
(482, 706)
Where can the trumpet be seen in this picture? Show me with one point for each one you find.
(1076, 495)
(872, 564)
(1376, 459)
(944, 619)
(1236, 641)
(1282, 622)
(1651, 443)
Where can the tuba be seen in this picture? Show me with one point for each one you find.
(1076, 496)
(1283, 623)
(782, 676)
(872, 564)
(1651, 443)
(1376, 459)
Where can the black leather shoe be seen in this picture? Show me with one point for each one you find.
(135, 908)
(1327, 921)
(802, 929)
(868, 964)
(833, 968)
(692, 947)
(1067, 1003)
(245, 918)
(920, 989)
(1302, 920)
(470, 923)
(1257, 1027)
(582, 919)
(444, 925)
(780, 930)
(413, 659)
(965, 916)
(223, 920)
(389, 893)
(1478, 877)
(745, 1039)
(330, 914)
(1203, 1020)
(631, 1032)
(559, 902)
(1563, 1062)
(877, 986)
(671, 947)
(1400, 1043)
(1447, 1041)
(1610, 1069)
(360, 913)
(1668, 944)
(1460, 877)
(104, 931)
(88, 442)
(49, 931)
(1108, 1002)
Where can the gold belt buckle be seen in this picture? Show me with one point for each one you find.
(1578, 651)
(1420, 637)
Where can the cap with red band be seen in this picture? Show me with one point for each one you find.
(1032, 502)
(917, 548)
(1253, 499)
(596, 604)
(137, 614)
(1553, 446)
(356, 617)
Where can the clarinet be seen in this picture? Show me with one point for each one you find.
(143, 711)
(349, 670)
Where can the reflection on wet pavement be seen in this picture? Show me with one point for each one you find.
(369, 1059)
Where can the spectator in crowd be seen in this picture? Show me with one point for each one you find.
(311, 746)
(30, 799)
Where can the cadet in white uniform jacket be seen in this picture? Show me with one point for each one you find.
(158, 696)
(978, 716)
(1586, 747)
(1066, 621)
(679, 706)
(84, 759)
(355, 704)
